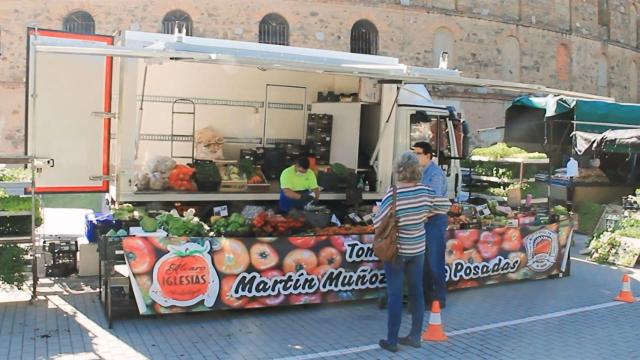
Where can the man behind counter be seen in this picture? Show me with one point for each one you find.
(297, 184)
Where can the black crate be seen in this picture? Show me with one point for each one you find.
(64, 257)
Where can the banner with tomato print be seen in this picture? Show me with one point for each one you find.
(478, 257)
(173, 274)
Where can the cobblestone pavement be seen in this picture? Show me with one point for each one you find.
(574, 319)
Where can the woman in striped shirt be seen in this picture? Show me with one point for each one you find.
(415, 203)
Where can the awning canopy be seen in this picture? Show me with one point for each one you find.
(597, 125)
(620, 141)
(594, 116)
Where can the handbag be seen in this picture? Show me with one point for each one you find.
(385, 243)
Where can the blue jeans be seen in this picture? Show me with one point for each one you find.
(434, 271)
(413, 266)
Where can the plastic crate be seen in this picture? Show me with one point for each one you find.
(64, 257)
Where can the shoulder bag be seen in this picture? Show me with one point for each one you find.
(385, 243)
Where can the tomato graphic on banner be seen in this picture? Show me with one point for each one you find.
(542, 250)
(185, 276)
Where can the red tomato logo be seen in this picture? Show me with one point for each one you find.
(140, 254)
(512, 240)
(330, 256)
(183, 278)
(226, 286)
(299, 259)
(263, 256)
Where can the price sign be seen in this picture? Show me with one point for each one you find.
(221, 211)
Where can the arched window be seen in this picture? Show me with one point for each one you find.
(274, 29)
(511, 59)
(602, 79)
(179, 18)
(364, 38)
(563, 62)
(80, 22)
(442, 42)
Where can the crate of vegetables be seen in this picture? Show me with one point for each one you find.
(258, 182)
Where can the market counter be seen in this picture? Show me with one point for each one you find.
(201, 274)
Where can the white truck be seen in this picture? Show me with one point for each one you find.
(100, 106)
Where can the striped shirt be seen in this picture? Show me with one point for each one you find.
(413, 205)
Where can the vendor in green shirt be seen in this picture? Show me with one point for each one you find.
(297, 183)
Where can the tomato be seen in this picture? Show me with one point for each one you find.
(321, 238)
(472, 256)
(320, 271)
(232, 257)
(271, 300)
(543, 247)
(330, 256)
(140, 254)
(303, 242)
(254, 305)
(263, 256)
(144, 282)
(499, 231)
(159, 309)
(453, 251)
(226, 286)
(512, 240)
(305, 299)
(468, 238)
(299, 259)
(193, 268)
(489, 245)
(162, 243)
(338, 242)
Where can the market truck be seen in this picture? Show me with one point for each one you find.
(102, 118)
(124, 115)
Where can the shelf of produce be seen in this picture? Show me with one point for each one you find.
(501, 181)
(511, 160)
(148, 196)
(14, 213)
(24, 239)
(541, 200)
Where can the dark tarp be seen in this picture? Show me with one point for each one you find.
(620, 141)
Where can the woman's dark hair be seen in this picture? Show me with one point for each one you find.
(303, 162)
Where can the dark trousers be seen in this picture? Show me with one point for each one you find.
(435, 284)
(412, 266)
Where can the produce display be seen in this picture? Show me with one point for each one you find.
(502, 150)
(234, 225)
(268, 224)
(619, 245)
(186, 225)
(15, 174)
(12, 223)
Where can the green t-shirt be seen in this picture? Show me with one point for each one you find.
(291, 179)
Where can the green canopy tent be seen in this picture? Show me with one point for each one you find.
(595, 124)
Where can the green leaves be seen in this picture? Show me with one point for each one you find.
(12, 266)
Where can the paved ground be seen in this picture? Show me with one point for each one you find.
(569, 318)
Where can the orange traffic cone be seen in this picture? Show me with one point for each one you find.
(434, 330)
(625, 294)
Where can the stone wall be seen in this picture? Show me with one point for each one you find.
(479, 30)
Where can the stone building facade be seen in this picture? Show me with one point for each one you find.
(581, 45)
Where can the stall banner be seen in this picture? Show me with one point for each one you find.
(171, 274)
(487, 256)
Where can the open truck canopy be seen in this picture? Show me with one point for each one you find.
(599, 125)
(70, 91)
